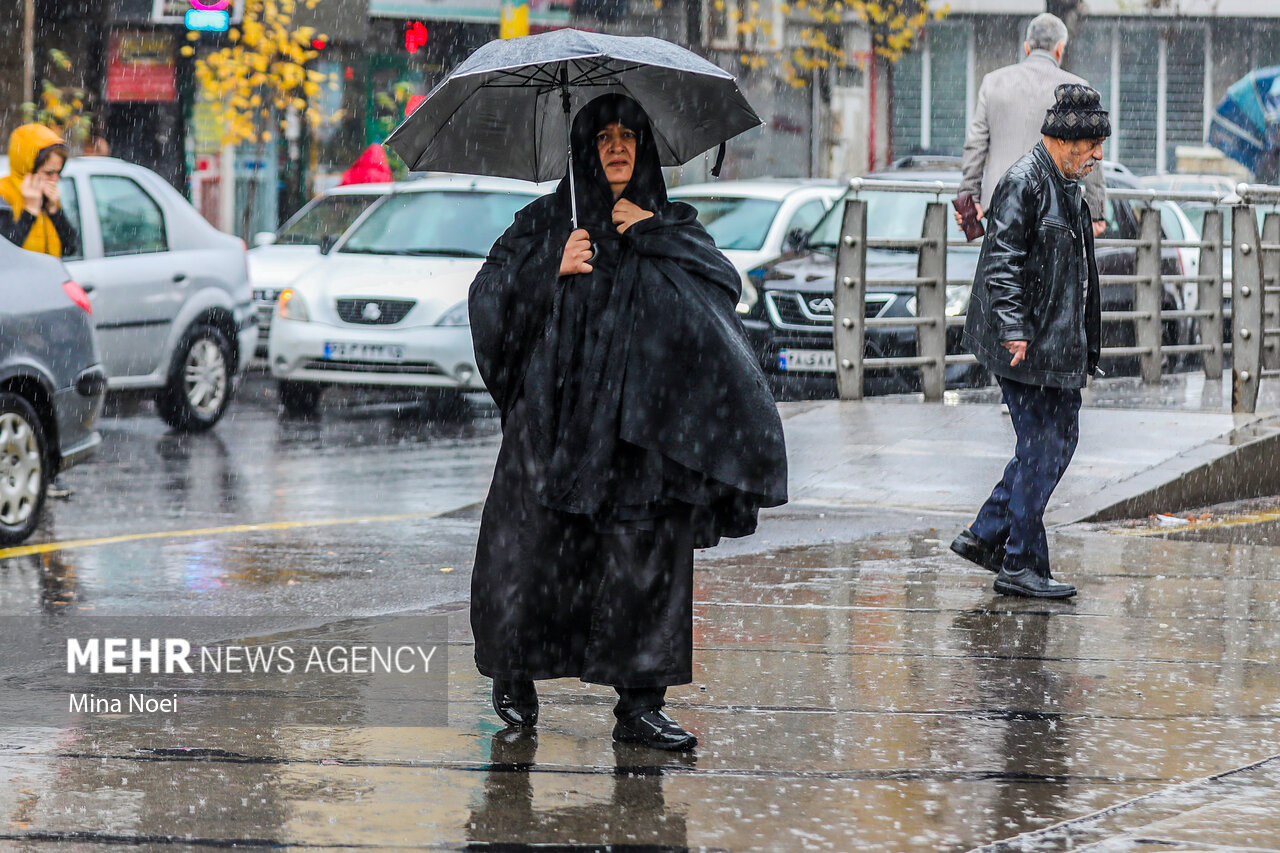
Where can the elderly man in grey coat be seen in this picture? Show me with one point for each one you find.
(1006, 122)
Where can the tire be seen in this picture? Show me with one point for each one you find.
(444, 404)
(25, 468)
(199, 387)
(299, 399)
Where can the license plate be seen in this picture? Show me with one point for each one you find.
(339, 351)
(811, 360)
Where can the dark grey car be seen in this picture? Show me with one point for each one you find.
(51, 383)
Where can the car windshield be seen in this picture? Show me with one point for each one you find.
(461, 224)
(890, 216)
(332, 214)
(735, 223)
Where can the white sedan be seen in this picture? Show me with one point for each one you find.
(387, 306)
(752, 222)
(278, 256)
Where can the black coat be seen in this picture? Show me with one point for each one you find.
(1029, 285)
(632, 406)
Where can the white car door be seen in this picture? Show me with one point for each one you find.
(132, 278)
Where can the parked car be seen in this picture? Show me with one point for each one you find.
(756, 221)
(170, 293)
(1221, 184)
(791, 326)
(387, 306)
(278, 256)
(51, 383)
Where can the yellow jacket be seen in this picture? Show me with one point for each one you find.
(24, 144)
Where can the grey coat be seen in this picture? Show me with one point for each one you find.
(1006, 124)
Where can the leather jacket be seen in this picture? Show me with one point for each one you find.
(1030, 284)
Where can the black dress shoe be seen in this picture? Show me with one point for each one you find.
(516, 703)
(656, 730)
(978, 551)
(1030, 584)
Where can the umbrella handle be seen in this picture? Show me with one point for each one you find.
(568, 132)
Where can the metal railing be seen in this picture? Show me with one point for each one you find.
(1255, 312)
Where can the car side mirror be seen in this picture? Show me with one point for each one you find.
(794, 241)
(264, 238)
(327, 242)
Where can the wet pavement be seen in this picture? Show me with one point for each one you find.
(856, 687)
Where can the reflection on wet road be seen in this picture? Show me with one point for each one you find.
(867, 693)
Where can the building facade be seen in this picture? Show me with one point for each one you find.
(1161, 72)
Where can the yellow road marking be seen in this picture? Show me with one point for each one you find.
(1217, 524)
(47, 547)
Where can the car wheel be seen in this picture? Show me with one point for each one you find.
(444, 404)
(299, 398)
(199, 387)
(24, 468)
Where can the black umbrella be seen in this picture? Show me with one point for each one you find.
(506, 110)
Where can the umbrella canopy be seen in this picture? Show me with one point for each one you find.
(1246, 125)
(503, 110)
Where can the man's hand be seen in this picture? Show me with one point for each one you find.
(577, 251)
(32, 194)
(626, 214)
(1099, 225)
(960, 219)
(1018, 349)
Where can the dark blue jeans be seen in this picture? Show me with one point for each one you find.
(1047, 423)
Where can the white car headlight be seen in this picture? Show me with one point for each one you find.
(455, 316)
(291, 306)
(958, 300)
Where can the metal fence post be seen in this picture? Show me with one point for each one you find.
(1270, 296)
(1211, 293)
(1246, 309)
(931, 301)
(850, 299)
(1148, 293)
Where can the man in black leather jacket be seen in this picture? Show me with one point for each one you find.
(1034, 321)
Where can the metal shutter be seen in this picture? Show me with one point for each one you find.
(949, 55)
(1184, 121)
(1139, 63)
(906, 104)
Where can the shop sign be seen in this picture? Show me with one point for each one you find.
(176, 11)
(140, 67)
(542, 13)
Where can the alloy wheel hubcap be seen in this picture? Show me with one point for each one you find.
(21, 469)
(205, 377)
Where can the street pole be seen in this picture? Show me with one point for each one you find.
(29, 50)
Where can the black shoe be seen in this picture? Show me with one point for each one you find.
(1030, 584)
(656, 730)
(516, 703)
(56, 489)
(977, 551)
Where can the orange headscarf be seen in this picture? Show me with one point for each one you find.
(24, 144)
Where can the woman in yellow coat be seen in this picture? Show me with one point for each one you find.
(31, 214)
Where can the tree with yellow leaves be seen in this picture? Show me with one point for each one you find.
(60, 107)
(894, 26)
(260, 80)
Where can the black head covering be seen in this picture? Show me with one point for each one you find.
(647, 188)
(1076, 114)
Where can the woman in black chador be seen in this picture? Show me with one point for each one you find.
(637, 426)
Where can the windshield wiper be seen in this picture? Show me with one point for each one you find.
(450, 253)
(455, 253)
